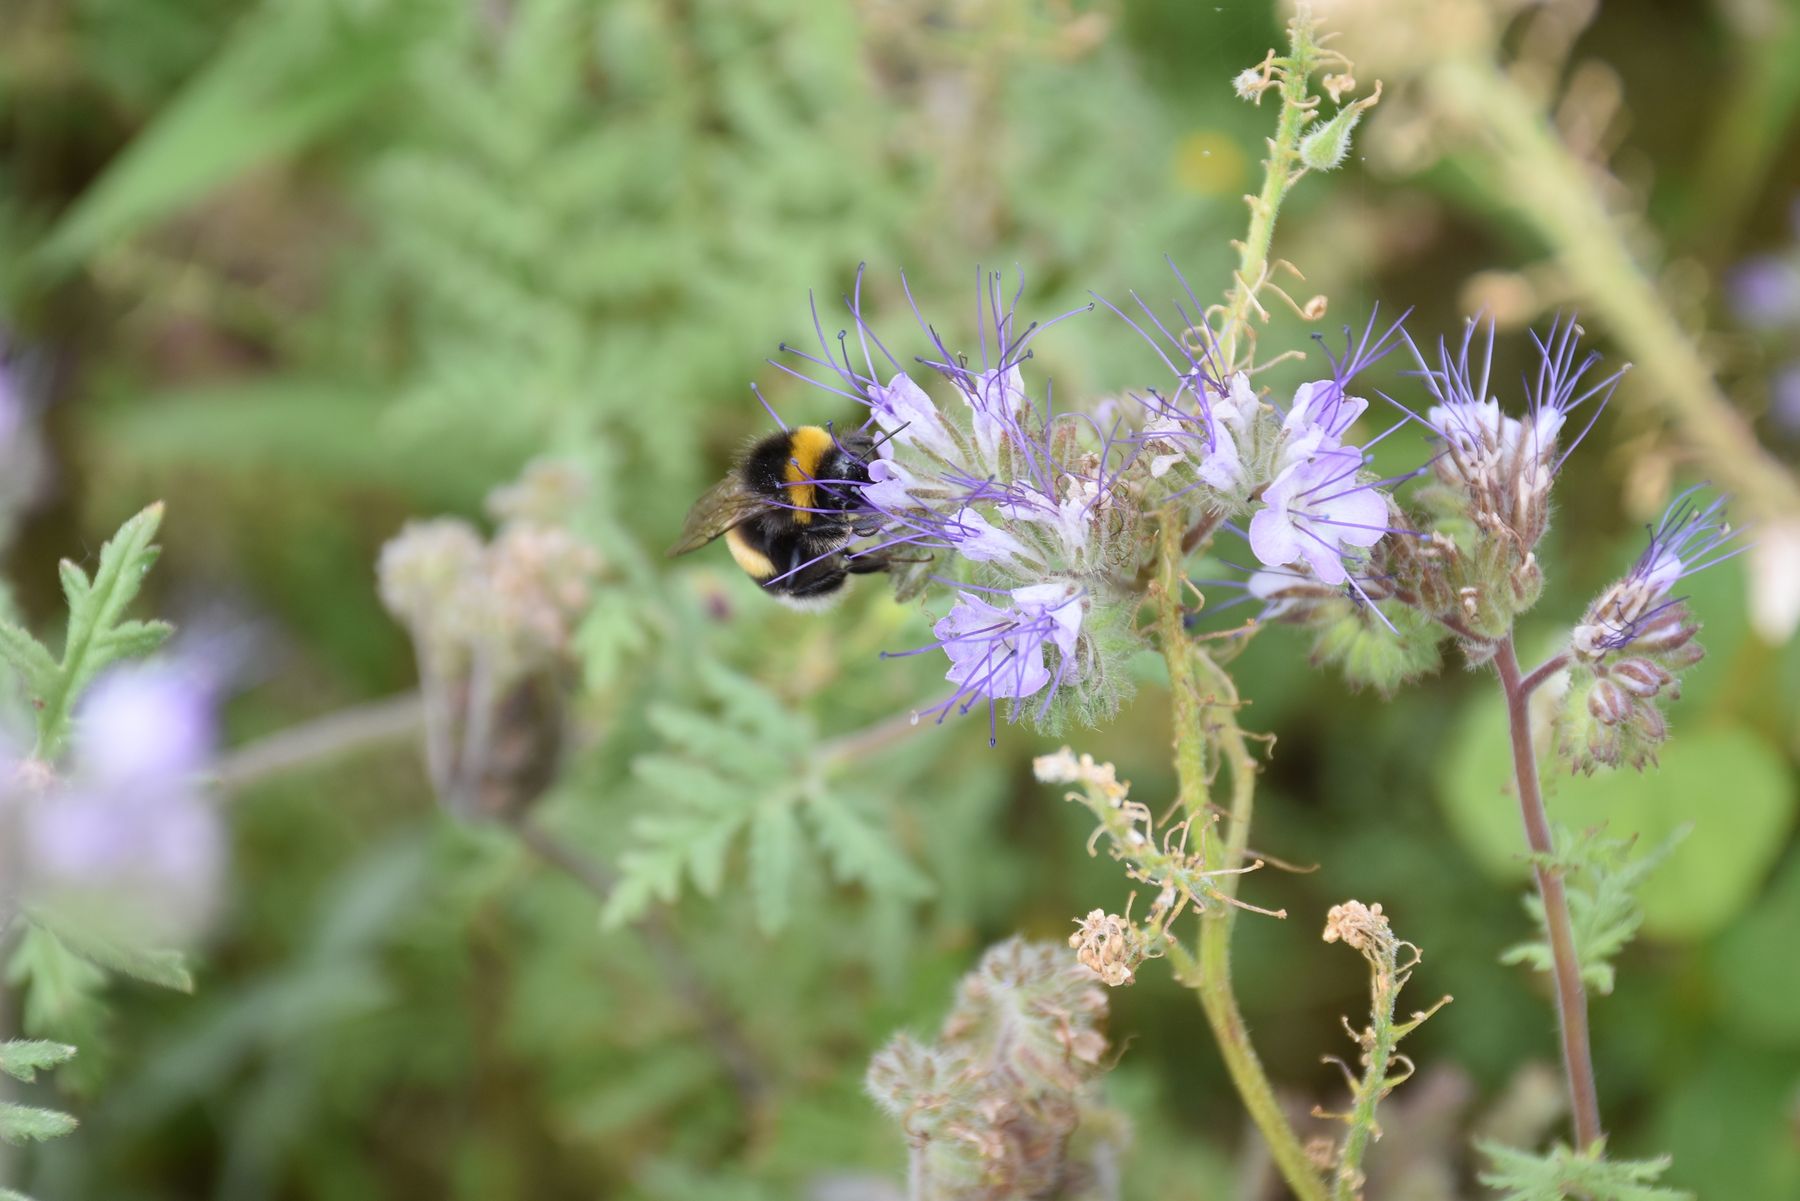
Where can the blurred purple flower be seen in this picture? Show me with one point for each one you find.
(1765, 291)
(1784, 405)
(130, 839)
(150, 725)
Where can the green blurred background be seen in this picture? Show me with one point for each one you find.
(308, 268)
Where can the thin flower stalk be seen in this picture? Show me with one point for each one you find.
(1391, 959)
(1280, 171)
(1571, 994)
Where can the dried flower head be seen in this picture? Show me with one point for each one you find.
(492, 624)
(992, 1106)
(1110, 946)
(1359, 926)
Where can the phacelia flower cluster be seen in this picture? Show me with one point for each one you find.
(1635, 640)
(1042, 525)
(1313, 506)
(1029, 506)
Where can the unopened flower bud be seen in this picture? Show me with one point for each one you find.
(1527, 580)
(1641, 677)
(1325, 148)
(1609, 703)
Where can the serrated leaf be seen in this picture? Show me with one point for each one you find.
(1567, 1175)
(1604, 910)
(775, 848)
(35, 665)
(23, 1059)
(153, 965)
(59, 985)
(94, 613)
(637, 888)
(133, 639)
(680, 780)
(858, 852)
(30, 1124)
(753, 707)
(75, 583)
(706, 737)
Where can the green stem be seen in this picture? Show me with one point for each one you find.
(1554, 191)
(1280, 171)
(1198, 717)
(1384, 989)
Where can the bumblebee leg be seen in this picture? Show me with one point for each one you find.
(879, 560)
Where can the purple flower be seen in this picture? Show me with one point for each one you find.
(980, 541)
(1638, 610)
(1314, 511)
(1000, 651)
(1506, 465)
(903, 410)
(1215, 435)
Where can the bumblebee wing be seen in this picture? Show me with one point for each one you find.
(725, 504)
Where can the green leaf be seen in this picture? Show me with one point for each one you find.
(285, 77)
(1566, 1175)
(95, 610)
(1706, 881)
(1604, 910)
(153, 965)
(775, 849)
(60, 986)
(29, 1124)
(1756, 969)
(858, 852)
(23, 1059)
(35, 665)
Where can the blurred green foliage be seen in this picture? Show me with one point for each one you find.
(306, 269)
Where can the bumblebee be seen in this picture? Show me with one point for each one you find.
(788, 510)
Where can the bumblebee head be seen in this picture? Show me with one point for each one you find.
(853, 452)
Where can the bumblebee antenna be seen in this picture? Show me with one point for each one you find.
(887, 437)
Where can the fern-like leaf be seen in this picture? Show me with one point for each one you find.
(97, 634)
(23, 1059)
(30, 1124)
(1604, 912)
(744, 764)
(1566, 1175)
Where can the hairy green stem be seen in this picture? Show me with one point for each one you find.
(1199, 717)
(1384, 989)
(1555, 192)
(1280, 171)
(1571, 995)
